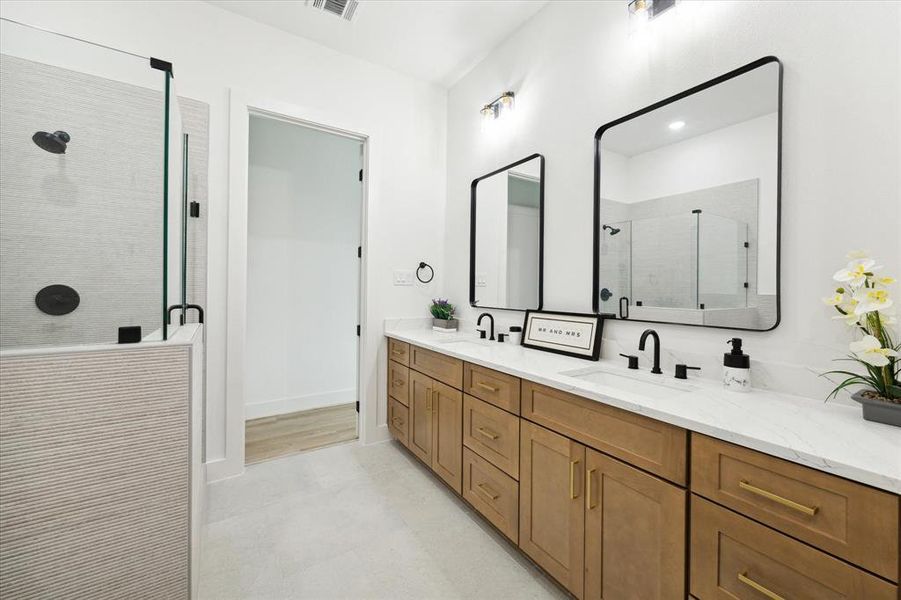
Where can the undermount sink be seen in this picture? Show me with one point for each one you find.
(651, 389)
(467, 342)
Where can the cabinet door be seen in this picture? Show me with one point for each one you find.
(634, 533)
(420, 427)
(551, 513)
(447, 434)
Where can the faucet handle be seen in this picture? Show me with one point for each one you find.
(502, 336)
(633, 360)
(682, 371)
(482, 333)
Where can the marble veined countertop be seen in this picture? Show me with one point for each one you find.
(829, 437)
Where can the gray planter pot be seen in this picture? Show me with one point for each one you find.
(448, 324)
(878, 411)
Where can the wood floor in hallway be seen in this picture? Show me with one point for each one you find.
(282, 435)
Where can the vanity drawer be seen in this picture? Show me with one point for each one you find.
(399, 351)
(497, 388)
(492, 433)
(642, 442)
(399, 382)
(847, 519)
(491, 492)
(734, 557)
(443, 368)
(399, 421)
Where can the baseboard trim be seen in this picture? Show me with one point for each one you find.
(288, 405)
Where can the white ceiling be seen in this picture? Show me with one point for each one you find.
(435, 40)
(752, 94)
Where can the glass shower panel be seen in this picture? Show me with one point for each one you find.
(81, 191)
(663, 261)
(616, 275)
(722, 262)
(175, 232)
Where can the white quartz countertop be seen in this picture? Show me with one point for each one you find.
(829, 437)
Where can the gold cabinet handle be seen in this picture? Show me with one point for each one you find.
(487, 387)
(396, 351)
(398, 382)
(743, 577)
(591, 503)
(807, 510)
(428, 400)
(487, 491)
(397, 421)
(572, 480)
(487, 433)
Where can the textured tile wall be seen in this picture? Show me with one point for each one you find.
(95, 474)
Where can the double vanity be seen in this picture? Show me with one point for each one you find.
(622, 484)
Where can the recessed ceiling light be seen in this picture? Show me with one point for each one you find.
(677, 125)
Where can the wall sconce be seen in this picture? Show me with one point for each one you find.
(645, 10)
(497, 108)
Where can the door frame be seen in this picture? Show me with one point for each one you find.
(241, 106)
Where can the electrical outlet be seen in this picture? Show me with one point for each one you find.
(481, 280)
(403, 277)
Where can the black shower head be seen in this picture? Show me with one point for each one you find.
(613, 230)
(52, 142)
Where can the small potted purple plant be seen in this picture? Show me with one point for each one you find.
(443, 315)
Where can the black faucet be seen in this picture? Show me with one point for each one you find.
(479, 323)
(641, 341)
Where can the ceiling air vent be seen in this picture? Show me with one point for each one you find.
(339, 8)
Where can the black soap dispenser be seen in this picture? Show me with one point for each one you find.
(736, 368)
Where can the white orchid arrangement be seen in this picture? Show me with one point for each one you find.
(863, 302)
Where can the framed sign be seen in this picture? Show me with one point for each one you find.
(572, 334)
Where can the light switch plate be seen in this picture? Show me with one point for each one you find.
(481, 280)
(403, 277)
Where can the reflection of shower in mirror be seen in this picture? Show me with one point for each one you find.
(613, 230)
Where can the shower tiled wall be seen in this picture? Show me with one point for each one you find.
(91, 218)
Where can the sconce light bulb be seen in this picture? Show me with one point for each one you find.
(677, 125)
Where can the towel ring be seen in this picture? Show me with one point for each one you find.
(422, 266)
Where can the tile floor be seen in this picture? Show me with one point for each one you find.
(354, 521)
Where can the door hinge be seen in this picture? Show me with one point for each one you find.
(194, 208)
(361, 174)
(359, 251)
(358, 331)
(747, 245)
(358, 406)
(746, 284)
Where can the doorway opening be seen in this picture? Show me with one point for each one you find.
(304, 223)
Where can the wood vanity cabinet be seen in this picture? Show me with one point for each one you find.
(551, 513)
(634, 532)
(436, 427)
(595, 495)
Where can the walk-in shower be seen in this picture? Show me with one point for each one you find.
(93, 235)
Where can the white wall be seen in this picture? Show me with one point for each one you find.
(574, 67)
(304, 201)
(213, 50)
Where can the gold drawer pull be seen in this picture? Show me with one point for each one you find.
(487, 491)
(807, 510)
(487, 387)
(572, 480)
(487, 433)
(396, 351)
(591, 504)
(428, 400)
(399, 382)
(397, 421)
(743, 577)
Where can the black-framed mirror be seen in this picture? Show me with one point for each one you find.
(687, 200)
(506, 236)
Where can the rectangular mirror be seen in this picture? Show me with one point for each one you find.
(687, 201)
(506, 243)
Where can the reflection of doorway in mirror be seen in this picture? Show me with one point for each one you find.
(523, 238)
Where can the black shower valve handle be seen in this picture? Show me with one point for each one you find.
(633, 360)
